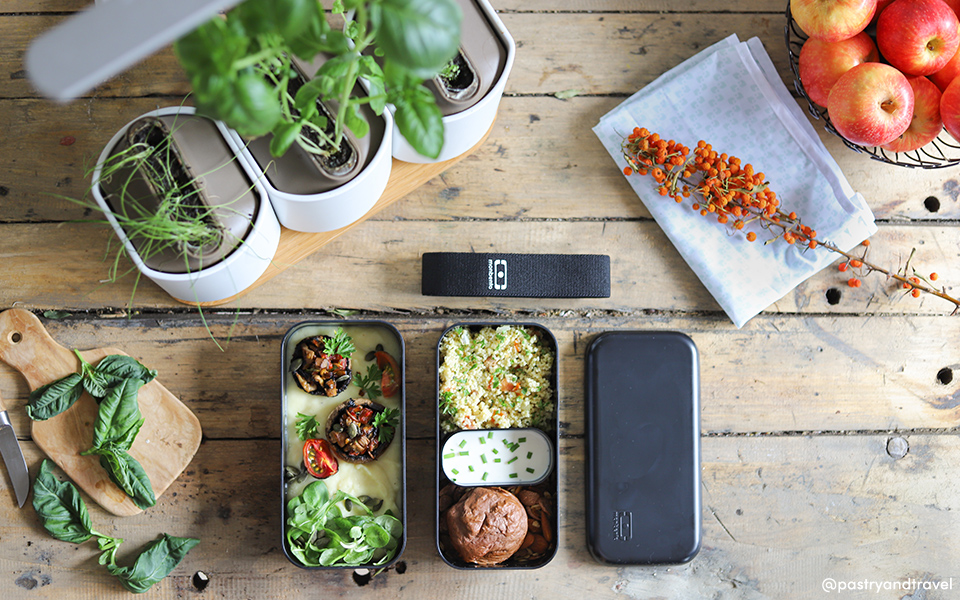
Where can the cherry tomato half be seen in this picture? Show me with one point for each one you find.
(388, 381)
(319, 459)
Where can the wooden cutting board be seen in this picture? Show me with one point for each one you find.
(165, 445)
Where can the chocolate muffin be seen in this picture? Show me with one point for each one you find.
(487, 525)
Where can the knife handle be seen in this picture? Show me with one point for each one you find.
(2, 407)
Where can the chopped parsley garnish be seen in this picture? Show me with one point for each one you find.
(386, 423)
(339, 343)
(308, 428)
(369, 383)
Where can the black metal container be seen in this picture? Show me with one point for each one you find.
(550, 484)
(643, 448)
(365, 335)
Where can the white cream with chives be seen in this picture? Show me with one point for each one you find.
(497, 457)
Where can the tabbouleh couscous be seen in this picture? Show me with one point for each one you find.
(495, 378)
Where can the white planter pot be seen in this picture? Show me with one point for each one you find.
(238, 270)
(463, 130)
(334, 208)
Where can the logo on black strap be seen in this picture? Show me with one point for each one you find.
(496, 274)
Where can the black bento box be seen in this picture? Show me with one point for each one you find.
(642, 398)
(293, 401)
(547, 489)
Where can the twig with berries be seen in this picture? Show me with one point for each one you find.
(721, 186)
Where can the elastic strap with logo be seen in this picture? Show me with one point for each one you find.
(516, 275)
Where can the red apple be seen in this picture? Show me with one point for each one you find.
(954, 6)
(950, 108)
(919, 37)
(871, 104)
(822, 63)
(832, 20)
(948, 73)
(882, 4)
(926, 123)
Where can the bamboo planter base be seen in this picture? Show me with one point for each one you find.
(296, 245)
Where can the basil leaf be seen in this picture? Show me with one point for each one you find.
(289, 18)
(316, 38)
(213, 47)
(357, 124)
(119, 419)
(60, 507)
(420, 121)
(125, 471)
(245, 102)
(54, 398)
(284, 136)
(422, 35)
(154, 563)
(119, 366)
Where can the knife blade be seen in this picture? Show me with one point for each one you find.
(13, 457)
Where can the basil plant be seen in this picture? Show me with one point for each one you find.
(241, 70)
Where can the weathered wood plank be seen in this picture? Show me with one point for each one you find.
(777, 374)
(636, 49)
(768, 502)
(41, 6)
(541, 161)
(157, 74)
(647, 271)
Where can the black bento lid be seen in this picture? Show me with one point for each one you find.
(642, 448)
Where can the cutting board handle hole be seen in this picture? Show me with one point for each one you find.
(16, 337)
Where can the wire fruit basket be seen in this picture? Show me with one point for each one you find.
(942, 152)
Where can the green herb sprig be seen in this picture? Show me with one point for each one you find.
(240, 67)
(386, 423)
(64, 515)
(339, 343)
(308, 428)
(369, 383)
(115, 383)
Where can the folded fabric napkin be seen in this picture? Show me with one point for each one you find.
(731, 96)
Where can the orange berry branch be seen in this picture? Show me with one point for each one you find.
(736, 195)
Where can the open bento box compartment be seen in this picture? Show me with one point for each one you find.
(348, 417)
(497, 446)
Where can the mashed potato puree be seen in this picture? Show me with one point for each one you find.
(382, 478)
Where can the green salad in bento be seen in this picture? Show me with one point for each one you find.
(343, 463)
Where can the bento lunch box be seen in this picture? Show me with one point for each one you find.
(343, 426)
(523, 459)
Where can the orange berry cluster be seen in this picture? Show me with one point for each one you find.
(734, 193)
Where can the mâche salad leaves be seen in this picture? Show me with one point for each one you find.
(319, 534)
(115, 383)
(64, 515)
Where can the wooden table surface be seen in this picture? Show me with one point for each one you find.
(829, 430)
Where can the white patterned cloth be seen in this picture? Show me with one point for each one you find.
(731, 96)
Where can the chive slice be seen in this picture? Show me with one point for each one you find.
(484, 475)
(529, 455)
(529, 469)
(513, 475)
(463, 443)
(454, 471)
(470, 467)
(494, 450)
(490, 435)
(513, 459)
(451, 455)
(496, 460)
(522, 440)
(483, 458)
(483, 440)
(463, 453)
